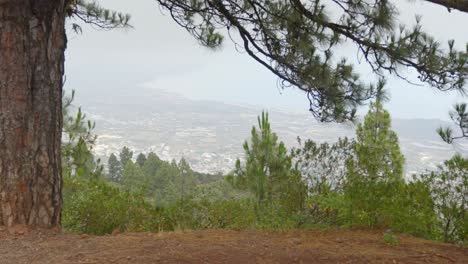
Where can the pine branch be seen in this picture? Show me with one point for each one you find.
(460, 118)
(92, 13)
(296, 39)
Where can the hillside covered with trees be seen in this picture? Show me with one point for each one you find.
(350, 183)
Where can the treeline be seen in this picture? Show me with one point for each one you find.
(162, 181)
(349, 183)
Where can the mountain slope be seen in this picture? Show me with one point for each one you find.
(210, 134)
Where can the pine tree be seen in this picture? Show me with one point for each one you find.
(167, 195)
(125, 156)
(268, 171)
(133, 178)
(115, 168)
(377, 150)
(186, 181)
(161, 178)
(152, 167)
(375, 173)
(141, 158)
(152, 164)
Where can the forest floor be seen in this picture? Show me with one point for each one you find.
(224, 246)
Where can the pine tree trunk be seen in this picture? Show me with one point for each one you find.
(32, 45)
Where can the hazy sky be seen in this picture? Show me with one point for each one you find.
(157, 54)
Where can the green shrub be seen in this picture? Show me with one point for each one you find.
(274, 216)
(231, 214)
(391, 239)
(403, 207)
(95, 207)
(413, 212)
(448, 186)
(326, 209)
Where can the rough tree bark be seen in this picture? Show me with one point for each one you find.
(32, 45)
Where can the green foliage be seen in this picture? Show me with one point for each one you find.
(375, 173)
(241, 213)
(189, 214)
(377, 151)
(152, 164)
(323, 167)
(391, 239)
(159, 180)
(218, 191)
(449, 190)
(166, 194)
(186, 180)
(326, 209)
(92, 13)
(370, 190)
(95, 207)
(350, 184)
(459, 116)
(163, 182)
(274, 216)
(133, 178)
(126, 155)
(296, 40)
(204, 178)
(91, 205)
(141, 158)
(413, 211)
(77, 143)
(268, 171)
(115, 168)
(171, 182)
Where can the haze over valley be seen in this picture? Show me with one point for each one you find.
(210, 134)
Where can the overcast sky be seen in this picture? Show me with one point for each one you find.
(157, 54)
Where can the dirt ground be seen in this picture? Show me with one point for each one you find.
(223, 246)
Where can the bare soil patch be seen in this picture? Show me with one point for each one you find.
(223, 246)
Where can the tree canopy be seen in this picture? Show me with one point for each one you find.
(375, 172)
(296, 40)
